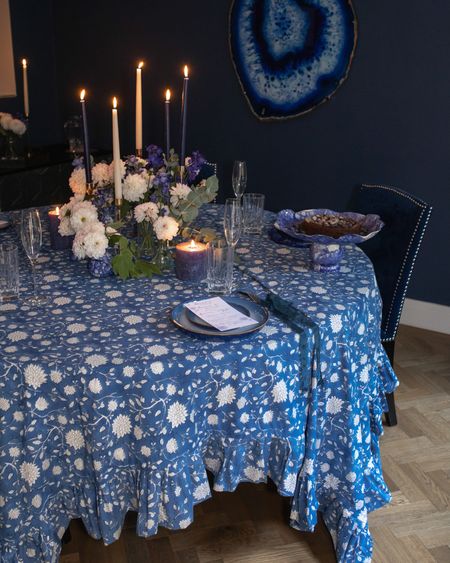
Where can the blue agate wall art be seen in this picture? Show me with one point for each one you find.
(291, 55)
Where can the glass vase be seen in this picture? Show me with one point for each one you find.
(145, 239)
(163, 256)
(10, 148)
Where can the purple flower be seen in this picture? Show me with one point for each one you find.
(155, 157)
(161, 181)
(133, 165)
(195, 165)
(78, 162)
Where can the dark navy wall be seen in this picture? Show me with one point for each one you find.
(389, 123)
(32, 30)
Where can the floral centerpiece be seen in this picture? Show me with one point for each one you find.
(159, 196)
(11, 128)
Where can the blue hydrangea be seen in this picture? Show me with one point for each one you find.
(195, 165)
(155, 157)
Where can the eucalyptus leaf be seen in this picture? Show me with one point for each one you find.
(207, 234)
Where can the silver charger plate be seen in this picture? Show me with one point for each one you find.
(184, 318)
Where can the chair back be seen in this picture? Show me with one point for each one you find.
(208, 169)
(394, 250)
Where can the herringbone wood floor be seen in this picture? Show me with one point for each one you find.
(249, 526)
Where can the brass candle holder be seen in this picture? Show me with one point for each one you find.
(89, 189)
(139, 153)
(118, 209)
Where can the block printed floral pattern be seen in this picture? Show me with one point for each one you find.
(105, 406)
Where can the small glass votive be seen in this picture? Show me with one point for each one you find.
(326, 257)
(253, 208)
(9, 272)
(57, 242)
(219, 267)
(190, 261)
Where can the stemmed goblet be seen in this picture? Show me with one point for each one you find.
(239, 178)
(31, 235)
(232, 221)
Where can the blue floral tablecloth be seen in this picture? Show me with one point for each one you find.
(105, 406)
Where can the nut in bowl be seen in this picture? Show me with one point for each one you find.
(326, 229)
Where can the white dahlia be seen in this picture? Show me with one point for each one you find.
(101, 174)
(146, 212)
(90, 242)
(5, 121)
(135, 186)
(83, 213)
(18, 127)
(77, 182)
(166, 228)
(95, 241)
(178, 193)
(65, 228)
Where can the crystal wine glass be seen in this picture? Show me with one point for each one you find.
(232, 221)
(239, 178)
(31, 235)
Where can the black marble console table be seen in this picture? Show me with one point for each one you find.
(40, 179)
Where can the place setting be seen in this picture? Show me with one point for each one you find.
(227, 314)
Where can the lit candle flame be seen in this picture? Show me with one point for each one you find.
(24, 63)
(82, 95)
(141, 64)
(186, 71)
(115, 102)
(167, 95)
(192, 245)
(57, 211)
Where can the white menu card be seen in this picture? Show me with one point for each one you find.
(219, 314)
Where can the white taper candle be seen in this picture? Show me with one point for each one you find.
(139, 108)
(116, 153)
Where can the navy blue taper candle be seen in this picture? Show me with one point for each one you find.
(184, 115)
(87, 155)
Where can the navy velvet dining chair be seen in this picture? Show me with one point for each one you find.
(393, 253)
(207, 170)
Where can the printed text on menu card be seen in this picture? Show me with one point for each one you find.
(219, 314)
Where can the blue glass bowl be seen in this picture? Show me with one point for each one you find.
(287, 220)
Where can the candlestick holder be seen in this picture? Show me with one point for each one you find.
(28, 153)
(139, 153)
(89, 189)
(118, 207)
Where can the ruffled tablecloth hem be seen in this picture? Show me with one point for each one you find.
(153, 494)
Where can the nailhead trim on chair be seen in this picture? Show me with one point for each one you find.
(213, 165)
(403, 297)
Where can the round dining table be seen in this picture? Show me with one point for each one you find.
(107, 407)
